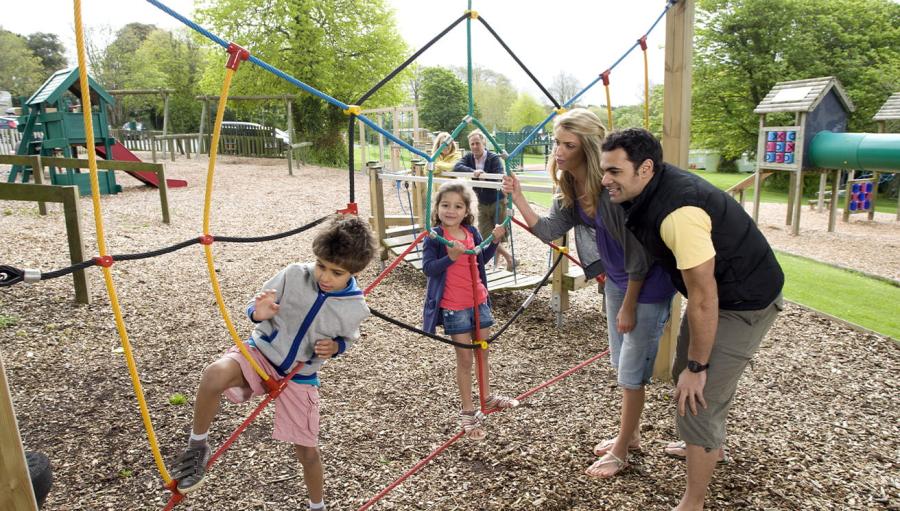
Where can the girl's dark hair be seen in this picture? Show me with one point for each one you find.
(466, 197)
(346, 241)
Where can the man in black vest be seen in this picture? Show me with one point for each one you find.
(721, 263)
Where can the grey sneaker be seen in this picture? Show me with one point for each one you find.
(190, 467)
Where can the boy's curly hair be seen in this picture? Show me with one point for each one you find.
(346, 241)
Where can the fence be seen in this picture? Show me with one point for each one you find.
(234, 140)
(509, 140)
(9, 140)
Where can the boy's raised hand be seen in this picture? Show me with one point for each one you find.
(455, 249)
(326, 348)
(265, 306)
(498, 232)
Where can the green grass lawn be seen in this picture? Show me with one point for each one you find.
(852, 297)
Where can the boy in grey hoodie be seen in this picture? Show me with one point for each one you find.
(306, 314)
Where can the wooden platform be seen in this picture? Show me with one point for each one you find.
(398, 238)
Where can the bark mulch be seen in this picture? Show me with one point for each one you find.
(813, 426)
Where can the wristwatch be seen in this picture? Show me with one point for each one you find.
(696, 367)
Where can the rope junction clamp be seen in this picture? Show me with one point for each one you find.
(235, 55)
(104, 261)
(472, 14)
(561, 110)
(561, 250)
(605, 76)
(482, 344)
(352, 110)
(207, 239)
(643, 42)
(351, 209)
(31, 275)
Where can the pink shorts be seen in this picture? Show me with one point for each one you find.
(296, 408)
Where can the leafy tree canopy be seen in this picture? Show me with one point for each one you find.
(444, 99)
(340, 47)
(526, 111)
(22, 72)
(744, 47)
(50, 50)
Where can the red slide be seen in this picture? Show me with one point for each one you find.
(121, 153)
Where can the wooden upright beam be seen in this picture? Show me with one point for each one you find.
(676, 140)
(16, 493)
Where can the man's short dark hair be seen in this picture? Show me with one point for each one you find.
(346, 241)
(639, 144)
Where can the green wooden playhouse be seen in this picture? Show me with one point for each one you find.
(57, 117)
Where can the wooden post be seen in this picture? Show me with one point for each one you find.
(38, 173)
(68, 196)
(166, 121)
(798, 203)
(381, 140)
(676, 140)
(823, 181)
(835, 188)
(200, 131)
(363, 153)
(875, 177)
(290, 131)
(792, 183)
(16, 493)
(376, 205)
(559, 297)
(757, 178)
(416, 138)
(418, 193)
(395, 148)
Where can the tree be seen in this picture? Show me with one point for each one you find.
(444, 99)
(526, 111)
(50, 50)
(340, 47)
(493, 94)
(113, 64)
(740, 54)
(22, 73)
(632, 116)
(168, 60)
(564, 87)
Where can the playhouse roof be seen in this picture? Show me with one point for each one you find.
(802, 95)
(890, 110)
(67, 80)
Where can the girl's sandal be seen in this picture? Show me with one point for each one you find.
(472, 425)
(501, 402)
(606, 445)
(608, 459)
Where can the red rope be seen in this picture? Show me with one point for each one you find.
(394, 264)
(418, 466)
(273, 394)
(600, 278)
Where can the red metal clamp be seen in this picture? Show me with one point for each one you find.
(235, 55)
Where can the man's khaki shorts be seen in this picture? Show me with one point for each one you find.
(737, 339)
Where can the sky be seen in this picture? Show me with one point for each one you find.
(579, 37)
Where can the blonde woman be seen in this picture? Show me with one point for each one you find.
(638, 293)
(448, 157)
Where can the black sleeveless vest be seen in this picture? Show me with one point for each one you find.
(747, 274)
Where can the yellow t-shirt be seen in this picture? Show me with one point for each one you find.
(687, 232)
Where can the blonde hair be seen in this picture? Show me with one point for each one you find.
(440, 139)
(590, 131)
(466, 197)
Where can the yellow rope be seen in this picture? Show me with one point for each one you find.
(101, 242)
(609, 115)
(207, 249)
(646, 93)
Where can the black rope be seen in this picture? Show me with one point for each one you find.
(10, 275)
(270, 237)
(411, 328)
(527, 301)
(513, 55)
(409, 61)
(350, 142)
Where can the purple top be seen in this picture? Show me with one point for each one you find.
(657, 286)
